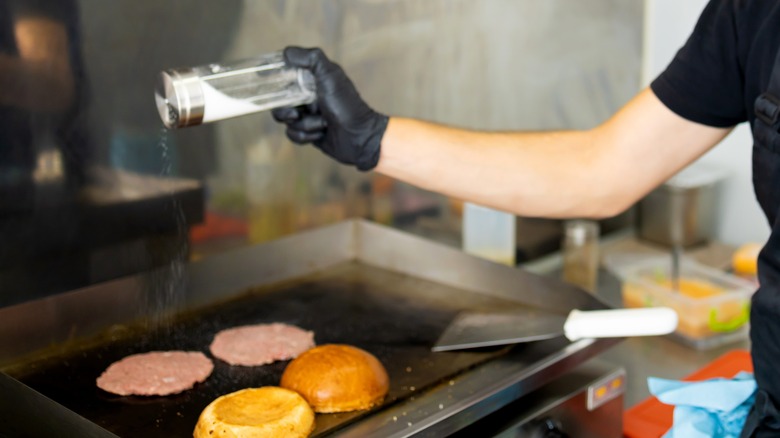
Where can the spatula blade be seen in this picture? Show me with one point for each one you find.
(472, 329)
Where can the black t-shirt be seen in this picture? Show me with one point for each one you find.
(714, 80)
(725, 64)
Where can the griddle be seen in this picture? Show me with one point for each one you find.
(354, 283)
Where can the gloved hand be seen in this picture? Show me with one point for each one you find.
(339, 122)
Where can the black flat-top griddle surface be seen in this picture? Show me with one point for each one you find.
(393, 316)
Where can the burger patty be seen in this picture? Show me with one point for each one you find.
(261, 344)
(156, 373)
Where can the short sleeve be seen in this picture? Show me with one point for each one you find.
(704, 82)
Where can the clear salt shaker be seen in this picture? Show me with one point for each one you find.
(195, 95)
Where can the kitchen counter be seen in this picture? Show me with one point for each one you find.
(645, 357)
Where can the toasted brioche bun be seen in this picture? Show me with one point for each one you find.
(337, 378)
(269, 411)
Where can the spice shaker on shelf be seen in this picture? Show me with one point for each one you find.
(581, 253)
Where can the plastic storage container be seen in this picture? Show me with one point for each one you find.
(713, 307)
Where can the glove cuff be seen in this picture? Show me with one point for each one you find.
(369, 153)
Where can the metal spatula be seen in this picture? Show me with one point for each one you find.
(484, 329)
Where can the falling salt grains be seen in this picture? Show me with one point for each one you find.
(441, 406)
(395, 418)
(169, 281)
(409, 424)
(452, 382)
(408, 369)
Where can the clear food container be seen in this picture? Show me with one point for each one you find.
(713, 306)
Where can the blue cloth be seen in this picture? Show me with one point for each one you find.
(709, 408)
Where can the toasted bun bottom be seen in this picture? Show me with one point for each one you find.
(256, 412)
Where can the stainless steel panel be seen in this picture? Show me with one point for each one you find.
(561, 406)
(399, 251)
(487, 64)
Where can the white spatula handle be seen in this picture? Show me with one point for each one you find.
(620, 323)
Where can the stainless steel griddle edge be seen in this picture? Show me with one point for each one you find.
(86, 312)
(21, 411)
(477, 394)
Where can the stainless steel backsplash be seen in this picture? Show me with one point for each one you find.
(482, 64)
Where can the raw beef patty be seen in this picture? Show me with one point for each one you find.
(261, 344)
(156, 373)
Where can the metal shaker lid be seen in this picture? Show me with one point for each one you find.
(580, 231)
(179, 98)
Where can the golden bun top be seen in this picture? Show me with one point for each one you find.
(337, 378)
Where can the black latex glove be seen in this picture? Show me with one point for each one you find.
(339, 122)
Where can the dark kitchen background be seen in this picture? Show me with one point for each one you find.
(93, 188)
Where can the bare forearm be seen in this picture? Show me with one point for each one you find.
(548, 174)
(593, 173)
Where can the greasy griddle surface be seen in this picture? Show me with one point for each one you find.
(393, 316)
